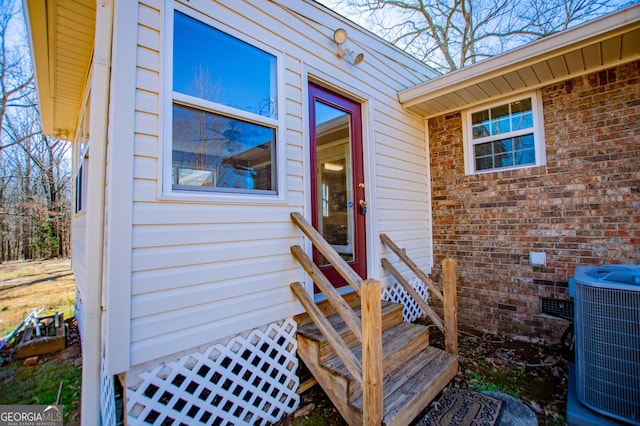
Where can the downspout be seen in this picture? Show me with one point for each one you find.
(92, 299)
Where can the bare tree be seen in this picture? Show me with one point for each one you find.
(16, 75)
(34, 194)
(451, 34)
(34, 169)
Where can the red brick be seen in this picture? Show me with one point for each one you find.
(581, 208)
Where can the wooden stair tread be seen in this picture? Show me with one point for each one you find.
(310, 331)
(413, 386)
(399, 344)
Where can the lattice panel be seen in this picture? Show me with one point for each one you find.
(78, 312)
(397, 294)
(249, 380)
(107, 398)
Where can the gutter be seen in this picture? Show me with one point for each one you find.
(92, 299)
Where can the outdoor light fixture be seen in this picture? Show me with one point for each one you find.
(340, 37)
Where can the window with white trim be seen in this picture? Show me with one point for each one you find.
(81, 156)
(225, 121)
(504, 135)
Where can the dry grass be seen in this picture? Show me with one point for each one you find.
(47, 284)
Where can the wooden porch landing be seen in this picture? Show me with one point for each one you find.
(375, 368)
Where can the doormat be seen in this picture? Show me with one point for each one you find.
(461, 407)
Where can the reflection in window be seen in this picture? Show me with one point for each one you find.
(502, 119)
(510, 152)
(210, 150)
(335, 186)
(214, 66)
(224, 112)
(325, 200)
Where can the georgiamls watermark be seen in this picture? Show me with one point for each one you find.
(30, 415)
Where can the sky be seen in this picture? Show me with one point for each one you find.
(490, 46)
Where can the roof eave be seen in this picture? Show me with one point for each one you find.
(428, 98)
(59, 108)
(36, 19)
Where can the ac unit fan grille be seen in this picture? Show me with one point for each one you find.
(607, 331)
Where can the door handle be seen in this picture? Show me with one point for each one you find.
(363, 207)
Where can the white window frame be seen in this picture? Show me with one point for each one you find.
(537, 130)
(171, 98)
(81, 156)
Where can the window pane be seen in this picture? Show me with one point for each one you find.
(504, 160)
(334, 172)
(480, 124)
(484, 149)
(505, 153)
(500, 120)
(212, 65)
(521, 114)
(523, 105)
(210, 150)
(524, 150)
(484, 163)
(484, 156)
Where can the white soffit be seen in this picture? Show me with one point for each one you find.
(596, 45)
(62, 35)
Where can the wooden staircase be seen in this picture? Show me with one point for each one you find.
(375, 368)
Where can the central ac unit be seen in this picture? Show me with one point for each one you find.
(607, 340)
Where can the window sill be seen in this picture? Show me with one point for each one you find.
(222, 198)
(514, 172)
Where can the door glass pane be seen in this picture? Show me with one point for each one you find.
(335, 186)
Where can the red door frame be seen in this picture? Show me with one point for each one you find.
(359, 264)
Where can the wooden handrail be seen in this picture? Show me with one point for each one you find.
(327, 251)
(450, 306)
(414, 268)
(449, 326)
(372, 408)
(369, 373)
(414, 294)
(333, 338)
(341, 306)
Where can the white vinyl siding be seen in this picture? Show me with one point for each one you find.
(402, 186)
(78, 242)
(210, 267)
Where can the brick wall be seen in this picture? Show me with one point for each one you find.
(583, 207)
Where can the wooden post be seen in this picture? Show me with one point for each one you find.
(450, 306)
(371, 353)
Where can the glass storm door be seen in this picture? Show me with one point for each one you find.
(337, 179)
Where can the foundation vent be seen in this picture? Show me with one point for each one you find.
(557, 308)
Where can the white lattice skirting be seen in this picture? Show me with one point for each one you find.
(395, 293)
(250, 379)
(107, 398)
(78, 311)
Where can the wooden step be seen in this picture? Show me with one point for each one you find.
(391, 316)
(399, 345)
(413, 386)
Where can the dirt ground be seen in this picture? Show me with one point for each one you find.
(536, 374)
(47, 284)
(24, 286)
